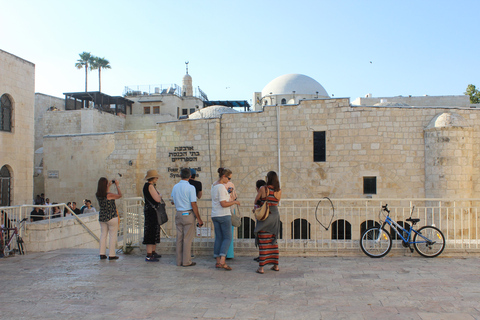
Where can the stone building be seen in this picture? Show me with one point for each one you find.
(319, 146)
(17, 94)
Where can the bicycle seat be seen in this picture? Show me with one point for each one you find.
(413, 220)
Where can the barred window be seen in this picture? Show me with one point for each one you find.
(319, 146)
(5, 113)
(369, 185)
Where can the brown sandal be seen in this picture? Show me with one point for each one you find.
(275, 268)
(218, 265)
(258, 271)
(224, 266)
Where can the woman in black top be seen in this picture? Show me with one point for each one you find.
(151, 230)
(108, 216)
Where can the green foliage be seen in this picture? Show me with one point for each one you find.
(88, 61)
(474, 93)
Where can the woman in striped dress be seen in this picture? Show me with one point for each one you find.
(267, 231)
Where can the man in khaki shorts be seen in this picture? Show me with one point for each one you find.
(184, 198)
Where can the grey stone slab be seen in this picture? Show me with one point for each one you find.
(73, 284)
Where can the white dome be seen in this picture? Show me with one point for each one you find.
(299, 83)
(447, 120)
(187, 77)
(211, 112)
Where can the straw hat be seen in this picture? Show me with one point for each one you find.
(152, 174)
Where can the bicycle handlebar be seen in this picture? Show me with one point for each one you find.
(385, 207)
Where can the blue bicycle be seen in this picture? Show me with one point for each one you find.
(428, 241)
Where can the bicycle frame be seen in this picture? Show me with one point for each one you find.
(15, 233)
(392, 224)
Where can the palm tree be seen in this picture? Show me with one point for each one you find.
(83, 62)
(99, 63)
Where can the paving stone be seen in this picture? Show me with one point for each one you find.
(73, 284)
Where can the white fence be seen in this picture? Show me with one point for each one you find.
(47, 226)
(301, 221)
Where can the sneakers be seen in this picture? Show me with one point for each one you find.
(103, 257)
(156, 255)
(151, 259)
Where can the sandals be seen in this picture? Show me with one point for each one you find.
(260, 271)
(275, 268)
(223, 266)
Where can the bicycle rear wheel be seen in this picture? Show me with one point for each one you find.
(376, 242)
(431, 241)
(7, 250)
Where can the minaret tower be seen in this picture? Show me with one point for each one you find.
(187, 88)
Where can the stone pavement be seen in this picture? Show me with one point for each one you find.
(75, 284)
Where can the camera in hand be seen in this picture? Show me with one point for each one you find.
(113, 181)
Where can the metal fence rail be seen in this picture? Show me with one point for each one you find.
(301, 229)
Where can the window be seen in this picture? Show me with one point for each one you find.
(146, 110)
(156, 110)
(369, 185)
(319, 146)
(5, 113)
(367, 225)
(245, 231)
(184, 112)
(284, 101)
(341, 230)
(192, 110)
(300, 229)
(5, 182)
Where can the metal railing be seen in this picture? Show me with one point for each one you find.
(301, 230)
(17, 213)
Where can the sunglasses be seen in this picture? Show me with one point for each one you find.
(229, 178)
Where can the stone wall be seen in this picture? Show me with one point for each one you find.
(133, 155)
(385, 142)
(17, 81)
(73, 164)
(44, 102)
(62, 233)
(458, 101)
(81, 121)
(146, 121)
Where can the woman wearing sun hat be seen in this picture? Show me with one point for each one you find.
(151, 231)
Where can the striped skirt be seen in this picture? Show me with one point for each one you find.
(268, 251)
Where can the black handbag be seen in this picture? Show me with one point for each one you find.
(162, 216)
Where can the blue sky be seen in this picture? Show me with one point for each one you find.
(236, 47)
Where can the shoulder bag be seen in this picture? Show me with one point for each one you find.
(262, 213)
(236, 218)
(162, 216)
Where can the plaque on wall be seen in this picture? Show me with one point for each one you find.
(52, 174)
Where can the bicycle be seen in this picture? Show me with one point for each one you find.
(9, 247)
(376, 242)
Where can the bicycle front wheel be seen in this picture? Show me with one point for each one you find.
(376, 242)
(429, 241)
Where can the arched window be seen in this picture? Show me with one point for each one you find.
(341, 230)
(5, 182)
(284, 101)
(367, 225)
(245, 231)
(300, 229)
(394, 235)
(5, 113)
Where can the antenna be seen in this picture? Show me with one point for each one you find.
(186, 65)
